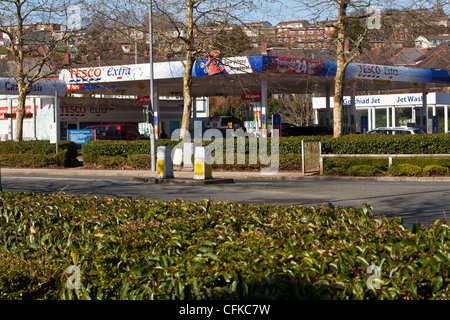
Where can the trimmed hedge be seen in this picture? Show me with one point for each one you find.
(348, 144)
(37, 153)
(405, 169)
(388, 144)
(414, 166)
(145, 249)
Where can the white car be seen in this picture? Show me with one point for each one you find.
(397, 130)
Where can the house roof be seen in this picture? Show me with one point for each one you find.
(438, 58)
(287, 23)
(408, 56)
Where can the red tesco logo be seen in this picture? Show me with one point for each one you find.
(86, 73)
(72, 109)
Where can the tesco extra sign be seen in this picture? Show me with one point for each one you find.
(90, 73)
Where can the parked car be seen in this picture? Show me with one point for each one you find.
(116, 132)
(305, 131)
(396, 130)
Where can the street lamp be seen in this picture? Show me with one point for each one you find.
(151, 100)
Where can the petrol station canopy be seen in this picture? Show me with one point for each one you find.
(236, 75)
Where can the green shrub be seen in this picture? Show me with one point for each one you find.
(106, 162)
(405, 169)
(423, 162)
(348, 144)
(25, 278)
(144, 249)
(434, 170)
(140, 161)
(37, 154)
(388, 144)
(340, 166)
(363, 171)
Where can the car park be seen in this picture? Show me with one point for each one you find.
(396, 130)
(115, 132)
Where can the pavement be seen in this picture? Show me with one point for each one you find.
(186, 176)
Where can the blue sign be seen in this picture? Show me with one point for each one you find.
(435, 124)
(276, 123)
(276, 120)
(81, 136)
(364, 124)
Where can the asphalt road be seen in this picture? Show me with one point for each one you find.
(413, 201)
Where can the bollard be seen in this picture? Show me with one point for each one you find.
(188, 151)
(202, 159)
(164, 168)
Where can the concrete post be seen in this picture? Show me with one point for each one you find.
(164, 162)
(188, 151)
(203, 166)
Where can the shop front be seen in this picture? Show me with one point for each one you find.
(430, 112)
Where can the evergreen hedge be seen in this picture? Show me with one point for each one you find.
(348, 144)
(37, 153)
(145, 249)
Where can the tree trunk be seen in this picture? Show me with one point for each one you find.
(20, 112)
(340, 68)
(339, 89)
(187, 78)
(187, 96)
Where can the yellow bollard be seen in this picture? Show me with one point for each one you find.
(164, 163)
(203, 165)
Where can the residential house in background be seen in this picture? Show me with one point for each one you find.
(428, 42)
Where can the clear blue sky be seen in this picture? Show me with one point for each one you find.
(276, 11)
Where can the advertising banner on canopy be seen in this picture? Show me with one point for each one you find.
(294, 66)
(233, 65)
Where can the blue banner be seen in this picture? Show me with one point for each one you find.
(435, 124)
(364, 124)
(81, 136)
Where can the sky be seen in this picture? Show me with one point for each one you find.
(276, 11)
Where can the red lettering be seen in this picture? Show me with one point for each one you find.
(369, 69)
(72, 110)
(86, 73)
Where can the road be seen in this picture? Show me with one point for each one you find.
(413, 201)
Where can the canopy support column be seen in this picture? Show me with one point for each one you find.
(264, 108)
(424, 113)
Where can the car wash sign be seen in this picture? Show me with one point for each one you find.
(42, 87)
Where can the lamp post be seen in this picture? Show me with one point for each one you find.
(151, 100)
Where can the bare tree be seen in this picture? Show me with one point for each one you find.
(344, 11)
(296, 108)
(28, 27)
(185, 30)
(198, 14)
